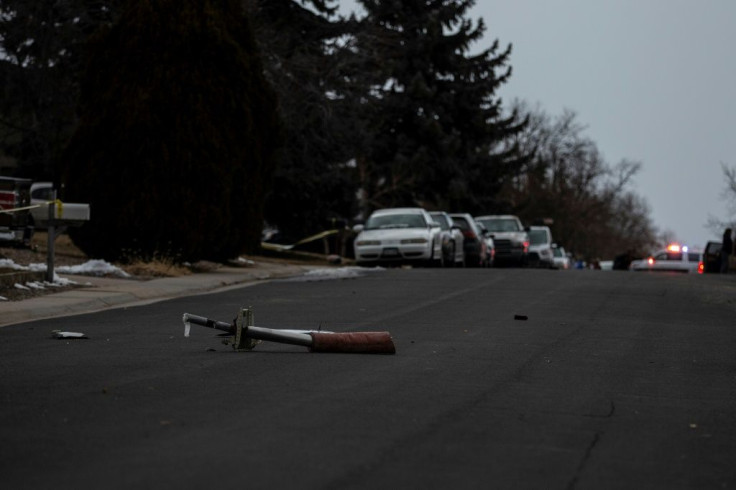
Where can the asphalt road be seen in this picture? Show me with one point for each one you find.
(615, 380)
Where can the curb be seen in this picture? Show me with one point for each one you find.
(105, 293)
(9, 279)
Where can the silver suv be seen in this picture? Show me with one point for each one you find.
(540, 247)
(509, 236)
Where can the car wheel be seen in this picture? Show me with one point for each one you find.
(435, 261)
(450, 259)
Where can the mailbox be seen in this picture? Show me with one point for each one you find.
(64, 214)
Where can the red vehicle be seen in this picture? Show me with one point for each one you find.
(15, 225)
(474, 244)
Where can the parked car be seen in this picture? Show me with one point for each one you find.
(560, 259)
(490, 244)
(398, 236)
(674, 258)
(712, 257)
(476, 249)
(540, 247)
(510, 239)
(41, 193)
(452, 240)
(15, 226)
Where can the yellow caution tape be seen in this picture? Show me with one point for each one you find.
(276, 246)
(59, 207)
(15, 210)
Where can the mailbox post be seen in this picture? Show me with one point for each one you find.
(60, 216)
(51, 239)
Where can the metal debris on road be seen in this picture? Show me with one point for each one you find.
(245, 336)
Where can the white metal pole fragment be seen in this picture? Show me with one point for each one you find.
(246, 336)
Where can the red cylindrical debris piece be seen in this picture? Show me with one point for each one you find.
(355, 342)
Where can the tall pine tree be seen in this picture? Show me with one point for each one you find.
(178, 131)
(39, 69)
(300, 44)
(435, 121)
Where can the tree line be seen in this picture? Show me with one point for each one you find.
(188, 124)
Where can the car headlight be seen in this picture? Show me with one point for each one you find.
(363, 243)
(413, 240)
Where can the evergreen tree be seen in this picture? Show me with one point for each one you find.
(178, 130)
(39, 69)
(299, 42)
(435, 121)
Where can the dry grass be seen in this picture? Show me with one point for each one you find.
(66, 253)
(155, 268)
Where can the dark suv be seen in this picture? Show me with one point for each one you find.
(712, 257)
(476, 250)
(15, 225)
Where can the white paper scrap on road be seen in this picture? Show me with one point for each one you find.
(68, 335)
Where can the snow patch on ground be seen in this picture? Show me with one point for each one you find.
(93, 268)
(329, 273)
(89, 268)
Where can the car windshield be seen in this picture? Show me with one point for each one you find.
(386, 221)
(461, 223)
(713, 248)
(537, 237)
(557, 252)
(42, 193)
(442, 220)
(675, 256)
(501, 224)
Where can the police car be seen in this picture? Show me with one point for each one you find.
(675, 258)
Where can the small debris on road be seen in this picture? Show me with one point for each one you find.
(521, 317)
(58, 334)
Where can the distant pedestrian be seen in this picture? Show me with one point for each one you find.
(726, 250)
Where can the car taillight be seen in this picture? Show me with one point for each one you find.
(701, 267)
(526, 247)
(650, 261)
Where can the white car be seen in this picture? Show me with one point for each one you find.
(452, 239)
(41, 193)
(560, 258)
(397, 236)
(490, 244)
(540, 247)
(674, 258)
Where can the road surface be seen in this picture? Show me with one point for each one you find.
(614, 380)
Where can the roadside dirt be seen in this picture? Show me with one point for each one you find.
(67, 254)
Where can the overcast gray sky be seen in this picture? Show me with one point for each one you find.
(653, 80)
